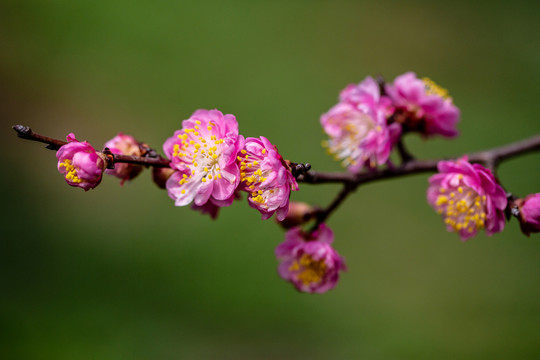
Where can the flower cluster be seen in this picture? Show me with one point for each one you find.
(212, 162)
(370, 117)
(209, 165)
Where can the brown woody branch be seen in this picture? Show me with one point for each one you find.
(490, 158)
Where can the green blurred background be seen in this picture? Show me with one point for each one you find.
(120, 273)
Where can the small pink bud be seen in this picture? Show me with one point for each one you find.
(80, 164)
(529, 210)
(309, 261)
(124, 145)
(161, 175)
(299, 213)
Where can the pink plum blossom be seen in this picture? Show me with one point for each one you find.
(308, 261)
(266, 177)
(423, 106)
(529, 210)
(468, 197)
(80, 164)
(124, 145)
(357, 127)
(203, 155)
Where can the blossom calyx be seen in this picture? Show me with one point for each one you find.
(161, 175)
(80, 164)
(299, 213)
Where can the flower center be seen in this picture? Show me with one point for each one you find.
(251, 173)
(261, 196)
(200, 151)
(355, 127)
(308, 270)
(71, 174)
(432, 88)
(462, 208)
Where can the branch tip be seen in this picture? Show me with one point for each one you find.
(22, 131)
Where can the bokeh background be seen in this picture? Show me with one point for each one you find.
(120, 273)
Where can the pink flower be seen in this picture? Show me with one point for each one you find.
(266, 177)
(529, 210)
(308, 261)
(468, 197)
(357, 127)
(366, 92)
(124, 145)
(203, 153)
(423, 106)
(80, 164)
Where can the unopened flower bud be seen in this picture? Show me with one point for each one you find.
(299, 213)
(529, 212)
(124, 145)
(161, 175)
(80, 164)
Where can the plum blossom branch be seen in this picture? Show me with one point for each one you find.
(208, 164)
(491, 158)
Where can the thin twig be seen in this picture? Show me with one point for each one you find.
(152, 159)
(494, 155)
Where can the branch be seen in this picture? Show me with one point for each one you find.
(151, 158)
(24, 132)
(492, 156)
